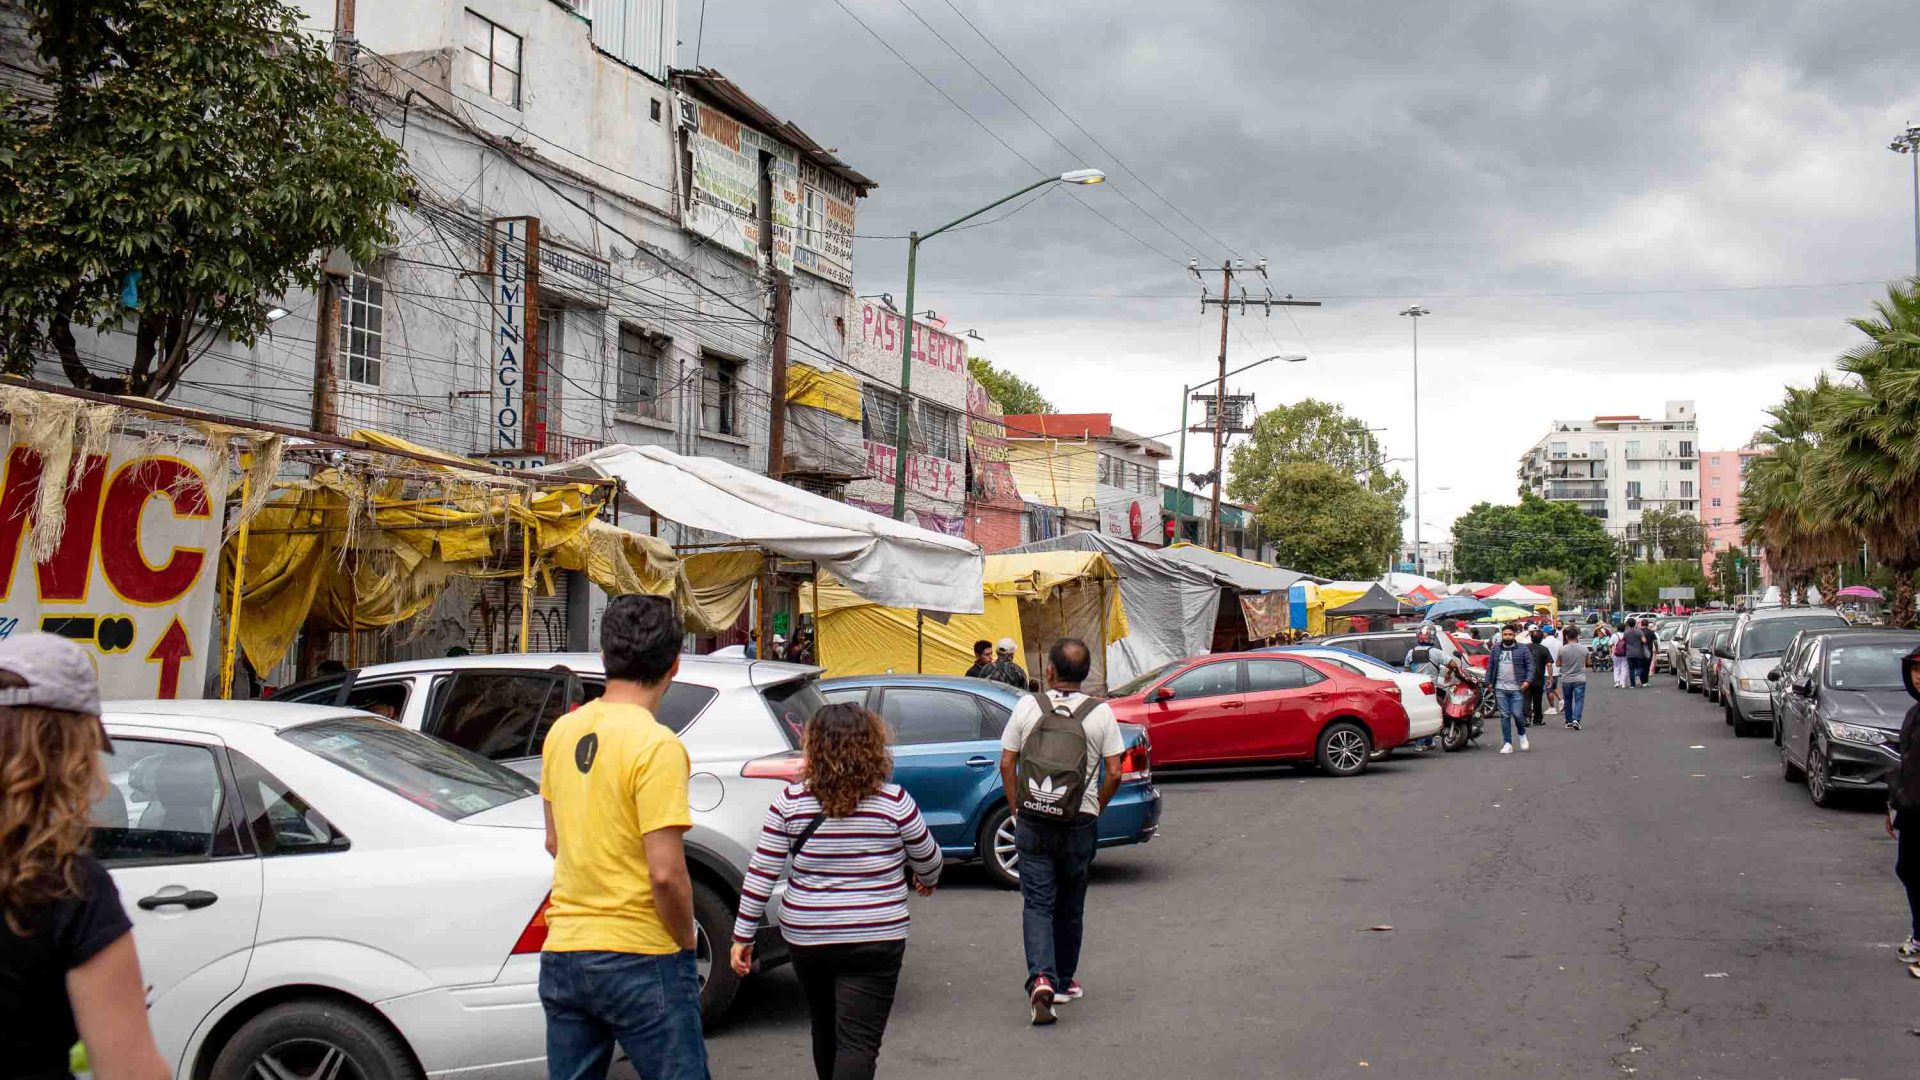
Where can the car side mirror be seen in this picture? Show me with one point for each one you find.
(1164, 693)
(1804, 688)
(1774, 675)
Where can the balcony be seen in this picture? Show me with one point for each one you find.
(1578, 490)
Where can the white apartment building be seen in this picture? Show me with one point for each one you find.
(1616, 467)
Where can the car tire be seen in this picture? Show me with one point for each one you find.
(1819, 780)
(713, 930)
(315, 1039)
(1345, 749)
(997, 852)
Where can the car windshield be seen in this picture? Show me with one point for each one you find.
(1867, 667)
(793, 704)
(1699, 639)
(441, 777)
(1144, 679)
(1770, 637)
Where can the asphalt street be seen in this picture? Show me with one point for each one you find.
(1643, 897)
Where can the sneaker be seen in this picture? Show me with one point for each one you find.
(1909, 951)
(1507, 747)
(1523, 742)
(1553, 710)
(1073, 992)
(1575, 725)
(1040, 1002)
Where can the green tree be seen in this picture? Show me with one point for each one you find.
(1780, 512)
(1327, 523)
(1729, 580)
(193, 161)
(1498, 542)
(1013, 393)
(1552, 578)
(1309, 431)
(1645, 580)
(1672, 533)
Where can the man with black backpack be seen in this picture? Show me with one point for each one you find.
(1051, 751)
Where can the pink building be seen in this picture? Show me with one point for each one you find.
(1720, 475)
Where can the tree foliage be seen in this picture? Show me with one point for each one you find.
(1671, 533)
(1013, 393)
(1498, 543)
(1310, 431)
(194, 160)
(1645, 580)
(1325, 522)
(1553, 579)
(1729, 579)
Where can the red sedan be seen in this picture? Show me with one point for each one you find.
(1254, 707)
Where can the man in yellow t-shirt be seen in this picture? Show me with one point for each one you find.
(619, 959)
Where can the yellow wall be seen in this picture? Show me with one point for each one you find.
(1055, 472)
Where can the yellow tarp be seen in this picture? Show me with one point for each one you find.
(837, 392)
(870, 640)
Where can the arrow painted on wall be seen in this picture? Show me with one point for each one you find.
(170, 652)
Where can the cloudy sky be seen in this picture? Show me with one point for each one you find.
(1606, 205)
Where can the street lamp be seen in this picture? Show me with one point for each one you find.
(1416, 312)
(914, 239)
(1909, 144)
(1180, 476)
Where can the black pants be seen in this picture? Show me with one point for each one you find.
(1907, 863)
(849, 992)
(1536, 701)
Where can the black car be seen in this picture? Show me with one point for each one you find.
(1841, 705)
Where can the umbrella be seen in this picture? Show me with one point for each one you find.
(1457, 607)
(1859, 592)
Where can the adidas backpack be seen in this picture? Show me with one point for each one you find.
(1050, 772)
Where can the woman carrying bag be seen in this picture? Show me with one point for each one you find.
(853, 839)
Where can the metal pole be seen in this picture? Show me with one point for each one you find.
(906, 384)
(1914, 144)
(1180, 473)
(238, 584)
(1419, 557)
(1220, 410)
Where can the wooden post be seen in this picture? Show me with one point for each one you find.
(526, 584)
(236, 585)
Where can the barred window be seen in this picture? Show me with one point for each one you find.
(879, 413)
(362, 329)
(939, 433)
(640, 357)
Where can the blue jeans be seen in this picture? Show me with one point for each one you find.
(1513, 712)
(1054, 863)
(650, 1005)
(1574, 695)
(1637, 667)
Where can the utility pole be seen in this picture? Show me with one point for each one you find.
(1415, 312)
(777, 448)
(1909, 144)
(1225, 302)
(326, 330)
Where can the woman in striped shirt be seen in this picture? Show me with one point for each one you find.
(852, 837)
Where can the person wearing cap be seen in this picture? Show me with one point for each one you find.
(1004, 668)
(68, 969)
(1903, 808)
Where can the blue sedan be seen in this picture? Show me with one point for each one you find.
(947, 755)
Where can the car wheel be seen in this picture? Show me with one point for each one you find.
(1344, 749)
(1819, 778)
(712, 938)
(1790, 772)
(997, 850)
(314, 1039)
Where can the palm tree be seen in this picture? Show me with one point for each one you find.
(1777, 513)
(1866, 470)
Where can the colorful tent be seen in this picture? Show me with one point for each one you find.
(1171, 606)
(1375, 601)
(1420, 594)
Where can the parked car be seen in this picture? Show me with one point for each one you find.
(317, 893)
(1691, 644)
(1665, 633)
(946, 753)
(740, 720)
(1416, 690)
(1778, 688)
(1840, 706)
(1716, 656)
(1232, 708)
(1754, 648)
(1390, 647)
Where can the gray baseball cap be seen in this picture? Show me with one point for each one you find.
(57, 672)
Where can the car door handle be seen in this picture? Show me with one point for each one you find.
(978, 762)
(1233, 704)
(192, 900)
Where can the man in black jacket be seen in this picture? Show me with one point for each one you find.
(1903, 807)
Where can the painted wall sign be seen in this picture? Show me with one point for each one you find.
(514, 249)
(825, 247)
(133, 577)
(726, 185)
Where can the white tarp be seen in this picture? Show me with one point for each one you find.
(1400, 583)
(1243, 574)
(1516, 593)
(1171, 606)
(885, 561)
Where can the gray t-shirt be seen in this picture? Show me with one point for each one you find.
(1103, 736)
(1509, 673)
(1573, 661)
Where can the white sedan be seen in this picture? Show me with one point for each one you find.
(1416, 690)
(319, 894)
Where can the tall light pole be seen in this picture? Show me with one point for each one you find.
(914, 240)
(1909, 144)
(1180, 476)
(1416, 312)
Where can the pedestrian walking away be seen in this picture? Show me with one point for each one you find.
(618, 965)
(1005, 669)
(1619, 659)
(1552, 642)
(1542, 677)
(1903, 808)
(1052, 749)
(1573, 677)
(1510, 673)
(852, 839)
(982, 660)
(68, 970)
(1639, 641)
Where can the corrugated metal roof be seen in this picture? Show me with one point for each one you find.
(723, 93)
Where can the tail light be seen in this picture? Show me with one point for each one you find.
(1392, 690)
(1136, 763)
(787, 766)
(1426, 688)
(534, 937)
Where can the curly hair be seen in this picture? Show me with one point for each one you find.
(50, 774)
(846, 751)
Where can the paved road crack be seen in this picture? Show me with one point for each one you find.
(1631, 1055)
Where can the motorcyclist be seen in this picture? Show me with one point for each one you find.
(1433, 655)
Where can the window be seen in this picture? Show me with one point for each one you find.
(792, 703)
(1633, 448)
(1686, 448)
(1716, 506)
(1633, 489)
(1716, 460)
(386, 700)
(653, 109)
(879, 413)
(164, 801)
(639, 391)
(1597, 449)
(1279, 675)
(495, 713)
(813, 219)
(493, 60)
(939, 431)
(856, 696)
(918, 717)
(1558, 449)
(431, 774)
(1713, 481)
(281, 822)
(361, 328)
(1686, 489)
(719, 395)
(1207, 680)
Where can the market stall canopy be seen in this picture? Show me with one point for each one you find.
(1243, 574)
(1420, 594)
(1400, 584)
(1858, 592)
(1470, 588)
(1375, 601)
(1515, 593)
(1170, 606)
(886, 561)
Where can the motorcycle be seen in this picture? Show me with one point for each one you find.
(1465, 703)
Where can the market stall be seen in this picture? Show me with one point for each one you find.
(1171, 606)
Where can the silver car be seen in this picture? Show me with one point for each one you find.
(1755, 647)
(740, 720)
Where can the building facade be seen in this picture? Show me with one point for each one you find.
(1614, 468)
(1434, 559)
(1722, 472)
(1189, 517)
(1100, 477)
(937, 426)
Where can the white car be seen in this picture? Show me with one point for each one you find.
(1416, 690)
(316, 893)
